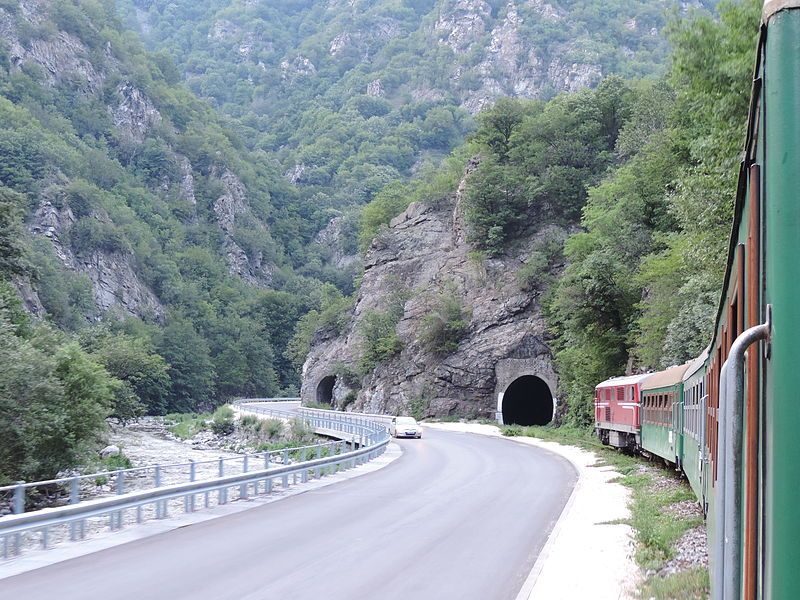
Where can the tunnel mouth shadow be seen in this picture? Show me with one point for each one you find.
(325, 389)
(527, 401)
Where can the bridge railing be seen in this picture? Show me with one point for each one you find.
(358, 441)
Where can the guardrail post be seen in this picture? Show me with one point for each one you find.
(74, 498)
(222, 497)
(318, 471)
(18, 506)
(285, 462)
(157, 482)
(304, 475)
(243, 486)
(188, 500)
(120, 490)
(268, 480)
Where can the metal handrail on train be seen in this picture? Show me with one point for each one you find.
(368, 440)
(726, 553)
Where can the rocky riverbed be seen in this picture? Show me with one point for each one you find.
(158, 455)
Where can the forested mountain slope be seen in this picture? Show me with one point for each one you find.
(140, 201)
(644, 174)
(354, 94)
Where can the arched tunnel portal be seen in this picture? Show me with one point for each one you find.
(527, 401)
(325, 389)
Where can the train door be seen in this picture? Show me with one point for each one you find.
(677, 427)
(702, 461)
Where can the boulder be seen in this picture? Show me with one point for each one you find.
(110, 451)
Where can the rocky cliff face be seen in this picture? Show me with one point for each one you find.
(115, 284)
(64, 59)
(425, 252)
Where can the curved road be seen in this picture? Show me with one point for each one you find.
(458, 516)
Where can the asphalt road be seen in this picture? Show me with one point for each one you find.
(458, 516)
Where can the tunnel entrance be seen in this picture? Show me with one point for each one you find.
(527, 401)
(325, 389)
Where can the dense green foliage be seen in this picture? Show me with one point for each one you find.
(378, 328)
(119, 198)
(296, 76)
(537, 160)
(54, 397)
(644, 277)
(446, 323)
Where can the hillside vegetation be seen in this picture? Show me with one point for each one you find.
(352, 95)
(647, 168)
(171, 174)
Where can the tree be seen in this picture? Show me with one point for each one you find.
(135, 362)
(190, 368)
(54, 400)
(11, 236)
(446, 323)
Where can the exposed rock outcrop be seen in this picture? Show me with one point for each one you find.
(134, 113)
(60, 55)
(115, 284)
(425, 250)
(333, 240)
(230, 205)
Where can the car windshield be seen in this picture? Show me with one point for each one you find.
(406, 422)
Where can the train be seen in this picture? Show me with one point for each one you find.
(730, 419)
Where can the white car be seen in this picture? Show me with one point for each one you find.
(405, 427)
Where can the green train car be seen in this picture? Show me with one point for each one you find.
(693, 453)
(662, 414)
(731, 418)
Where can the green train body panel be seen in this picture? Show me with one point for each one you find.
(781, 475)
(694, 410)
(691, 458)
(664, 439)
(656, 441)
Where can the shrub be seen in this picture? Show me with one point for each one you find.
(349, 398)
(381, 341)
(186, 425)
(89, 234)
(114, 463)
(273, 428)
(251, 422)
(446, 324)
(299, 431)
(534, 273)
(222, 421)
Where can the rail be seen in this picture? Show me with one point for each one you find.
(359, 441)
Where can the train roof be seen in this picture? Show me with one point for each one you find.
(773, 6)
(666, 377)
(627, 380)
(696, 364)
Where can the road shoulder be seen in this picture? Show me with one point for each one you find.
(590, 552)
(36, 559)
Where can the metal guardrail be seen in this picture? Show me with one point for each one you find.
(70, 487)
(359, 417)
(366, 441)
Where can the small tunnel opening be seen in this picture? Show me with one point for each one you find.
(527, 401)
(325, 389)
